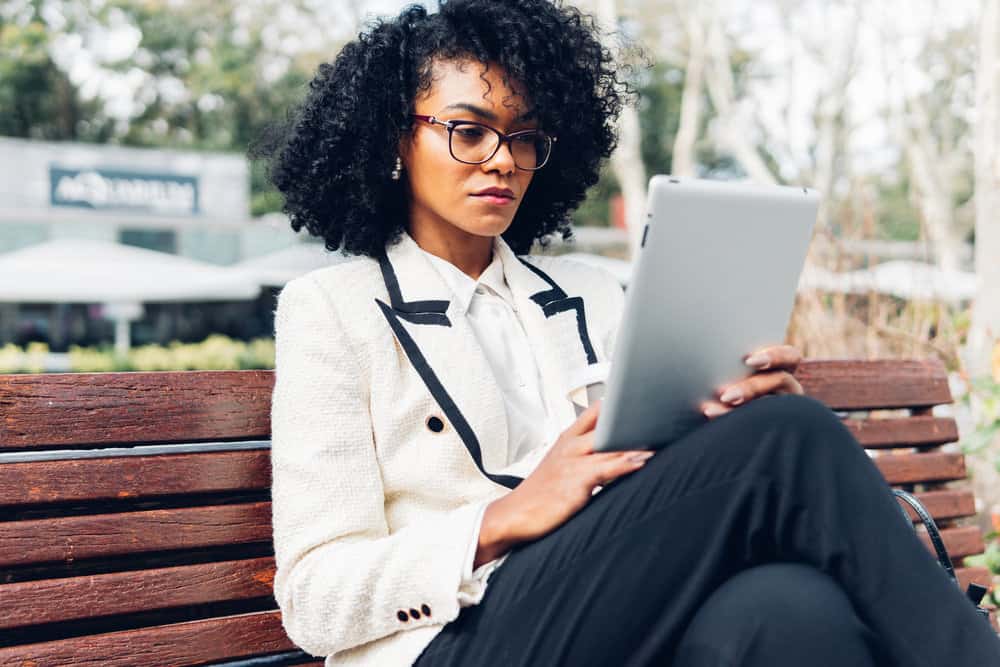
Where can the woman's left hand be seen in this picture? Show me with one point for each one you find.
(773, 367)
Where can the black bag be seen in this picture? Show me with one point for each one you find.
(974, 592)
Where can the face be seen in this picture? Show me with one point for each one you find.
(444, 199)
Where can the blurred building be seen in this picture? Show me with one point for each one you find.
(188, 203)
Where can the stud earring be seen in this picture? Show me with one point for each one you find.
(398, 169)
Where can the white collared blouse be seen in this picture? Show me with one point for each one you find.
(489, 306)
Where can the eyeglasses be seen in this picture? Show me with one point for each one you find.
(475, 143)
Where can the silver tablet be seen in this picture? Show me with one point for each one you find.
(715, 279)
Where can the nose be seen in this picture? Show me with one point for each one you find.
(502, 161)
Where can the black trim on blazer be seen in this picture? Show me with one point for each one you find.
(555, 301)
(439, 393)
(418, 312)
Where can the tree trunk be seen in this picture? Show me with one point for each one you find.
(683, 162)
(734, 135)
(626, 162)
(986, 309)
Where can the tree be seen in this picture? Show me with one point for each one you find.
(37, 99)
(985, 328)
(627, 158)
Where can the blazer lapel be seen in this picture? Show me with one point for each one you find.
(556, 324)
(442, 347)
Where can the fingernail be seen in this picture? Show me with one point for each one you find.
(733, 395)
(714, 410)
(640, 458)
(758, 360)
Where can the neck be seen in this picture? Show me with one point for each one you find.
(470, 253)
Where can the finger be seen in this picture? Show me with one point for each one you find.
(582, 444)
(713, 409)
(760, 384)
(609, 470)
(784, 357)
(608, 457)
(586, 420)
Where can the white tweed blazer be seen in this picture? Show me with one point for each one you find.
(389, 433)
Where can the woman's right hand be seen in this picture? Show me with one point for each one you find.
(561, 484)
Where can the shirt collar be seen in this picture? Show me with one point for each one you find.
(463, 286)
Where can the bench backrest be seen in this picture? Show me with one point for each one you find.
(136, 517)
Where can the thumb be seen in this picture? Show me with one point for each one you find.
(587, 419)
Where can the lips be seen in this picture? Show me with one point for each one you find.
(495, 192)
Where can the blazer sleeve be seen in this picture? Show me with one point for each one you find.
(342, 579)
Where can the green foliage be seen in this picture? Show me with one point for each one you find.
(210, 81)
(216, 352)
(990, 559)
(659, 115)
(984, 392)
(595, 211)
(37, 99)
(661, 90)
(30, 359)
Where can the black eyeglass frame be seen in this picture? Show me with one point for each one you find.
(504, 139)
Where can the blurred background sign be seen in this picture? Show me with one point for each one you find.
(99, 188)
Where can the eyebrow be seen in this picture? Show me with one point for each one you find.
(486, 113)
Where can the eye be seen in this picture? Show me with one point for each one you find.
(469, 131)
(527, 137)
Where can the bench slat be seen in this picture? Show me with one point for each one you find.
(74, 409)
(53, 600)
(905, 432)
(178, 644)
(70, 409)
(926, 467)
(870, 385)
(961, 541)
(101, 535)
(944, 504)
(968, 575)
(134, 476)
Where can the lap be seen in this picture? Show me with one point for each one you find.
(625, 561)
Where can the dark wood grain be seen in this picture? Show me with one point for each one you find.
(121, 477)
(91, 536)
(103, 409)
(903, 432)
(979, 575)
(69, 409)
(926, 467)
(944, 504)
(53, 600)
(865, 385)
(178, 644)
(962, 541)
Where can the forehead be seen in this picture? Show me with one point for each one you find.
(474, 83)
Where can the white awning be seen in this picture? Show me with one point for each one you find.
(88, 271)
(901, 278)
(278, 267)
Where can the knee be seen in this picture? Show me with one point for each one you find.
(799, 421)
(769, 609)
(798, 411)
(786, 595)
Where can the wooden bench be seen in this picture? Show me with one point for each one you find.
(135, 514)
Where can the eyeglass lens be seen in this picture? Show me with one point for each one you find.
(473, 143)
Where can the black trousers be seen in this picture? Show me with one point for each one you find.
(766, 536)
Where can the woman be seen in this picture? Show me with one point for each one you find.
(436, 497)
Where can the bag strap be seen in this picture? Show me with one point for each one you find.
(932, 531)
(974, 592)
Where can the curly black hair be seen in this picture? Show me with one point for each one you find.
(332, 158)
